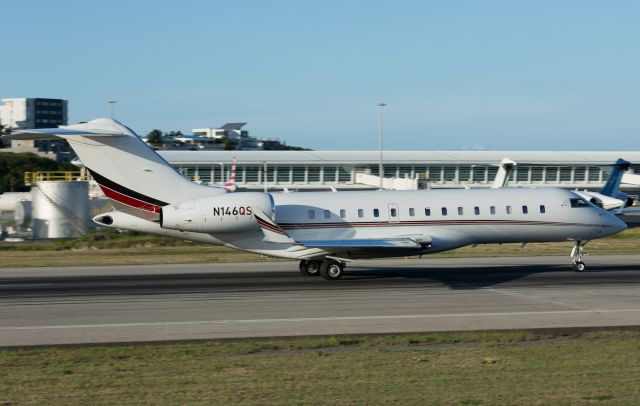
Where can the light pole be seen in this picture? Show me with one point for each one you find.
(380, 141)
(111, 103)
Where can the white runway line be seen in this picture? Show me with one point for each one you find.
(525, 295)
(316, 319)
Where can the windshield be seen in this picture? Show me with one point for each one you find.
(578, 202)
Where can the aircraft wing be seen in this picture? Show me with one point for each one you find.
(399, 242)
(625, 211)
(274, 233)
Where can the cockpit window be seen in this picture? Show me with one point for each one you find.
(578, 203)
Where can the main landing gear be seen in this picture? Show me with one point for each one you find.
(577, 252)
(310, 268)
(329, 269)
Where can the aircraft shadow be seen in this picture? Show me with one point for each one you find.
(482, 276)
(212, 285)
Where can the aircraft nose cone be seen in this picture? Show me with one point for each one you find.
(614, 225)
(619, 225)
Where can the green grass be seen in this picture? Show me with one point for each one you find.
(470, 368)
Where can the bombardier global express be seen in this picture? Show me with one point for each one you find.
(323, 230)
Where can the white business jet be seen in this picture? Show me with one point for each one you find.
(324, 230)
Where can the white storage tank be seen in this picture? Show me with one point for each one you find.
(22, 214)
(8, 202)
(60, 209)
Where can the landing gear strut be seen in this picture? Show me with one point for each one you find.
(577, 253)
(310, 268)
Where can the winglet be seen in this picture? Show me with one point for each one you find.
(272, 231)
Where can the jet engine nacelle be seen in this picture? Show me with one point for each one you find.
(620, 200)
(220, 214)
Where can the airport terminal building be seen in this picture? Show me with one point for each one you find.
(323, 170)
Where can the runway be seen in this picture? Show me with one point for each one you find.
(42, 306)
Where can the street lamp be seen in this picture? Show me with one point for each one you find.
(111, 103)
(380, 141)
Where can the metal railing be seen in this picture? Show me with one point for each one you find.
(60, 176)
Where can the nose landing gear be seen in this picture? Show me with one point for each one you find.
(577, 253)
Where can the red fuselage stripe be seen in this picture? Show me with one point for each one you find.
(129, 201)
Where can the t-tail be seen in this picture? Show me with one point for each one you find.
(612, 186)
(136, 179)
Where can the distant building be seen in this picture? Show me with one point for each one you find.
(25, 113)
(234, 133)
(185, 142)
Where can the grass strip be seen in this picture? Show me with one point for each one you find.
(467, 368)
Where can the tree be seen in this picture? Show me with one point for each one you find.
(13, 166)
(4, 130)
(155, 138)
(229, 145)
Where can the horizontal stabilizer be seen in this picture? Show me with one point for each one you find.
(363, 243)
(53, 133)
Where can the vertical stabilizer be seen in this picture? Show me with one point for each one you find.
(131, 174)
(504, 174)
(612, 185)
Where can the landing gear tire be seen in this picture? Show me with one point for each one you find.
(579, 267)
(310, 268)
(331, 270)
(577, 253)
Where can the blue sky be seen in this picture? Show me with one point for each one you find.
(549, 75)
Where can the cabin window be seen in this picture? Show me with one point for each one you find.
(376, 213)
(444, 211)
(508, 209)
(327, 214)
(460, 211)
(312, 214)
(542, 209)
(394, 212)
(427, 211)
(492, 209)
(525, 210)
(360, 213)
(343, 213)
(476, 210)
(412, 212)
